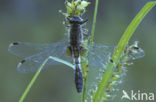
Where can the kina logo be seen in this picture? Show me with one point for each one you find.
(140, 96)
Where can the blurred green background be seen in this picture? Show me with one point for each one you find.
(39, 21)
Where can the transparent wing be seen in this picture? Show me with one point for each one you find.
(36, 53)
(136, 54)
(100, 55)
(32, 63)
(24, 49)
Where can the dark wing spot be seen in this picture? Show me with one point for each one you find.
(111, 60)
(15, 43)
(136, 48)
(22, 61)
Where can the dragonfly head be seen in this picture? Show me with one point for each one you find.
(76, 20)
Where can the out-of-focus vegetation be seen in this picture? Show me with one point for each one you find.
(39, 21)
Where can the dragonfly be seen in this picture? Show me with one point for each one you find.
(35, 55)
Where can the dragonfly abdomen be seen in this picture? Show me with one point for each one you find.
(78, 79)
(78, 74)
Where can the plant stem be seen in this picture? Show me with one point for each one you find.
(91, 40)
(94, 22)
(120, 48)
